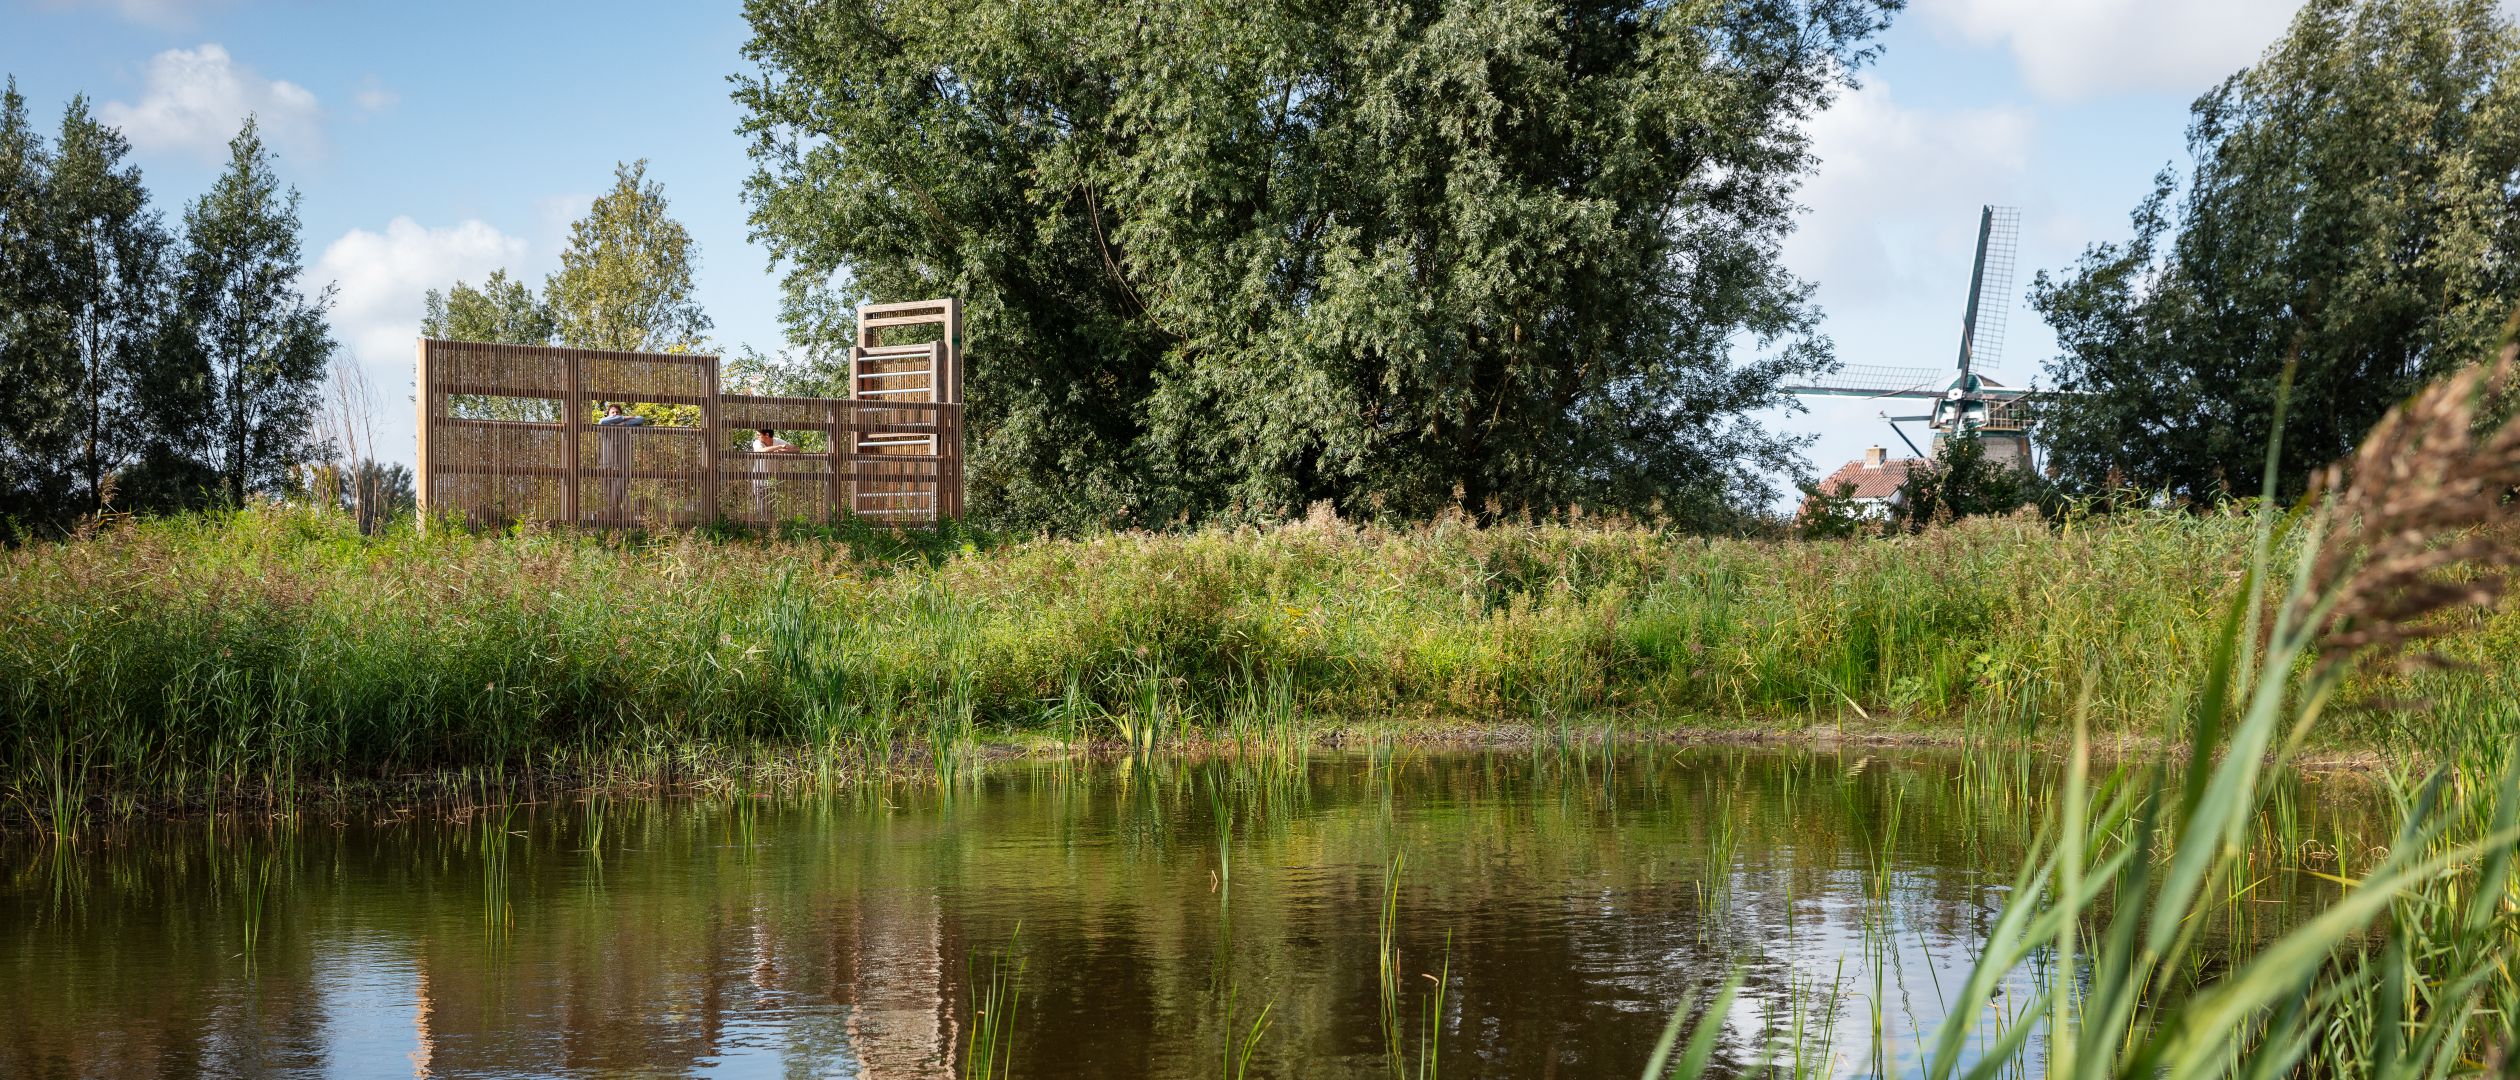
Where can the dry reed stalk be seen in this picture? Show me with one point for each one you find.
(2411, 531)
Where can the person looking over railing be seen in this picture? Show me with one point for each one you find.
(765, 441)
(613, 460)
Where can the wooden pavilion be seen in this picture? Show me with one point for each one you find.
(508, 434)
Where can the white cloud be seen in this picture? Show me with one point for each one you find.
(2074, 49)
(196, 99)
(1896, 195)
(375, 96)
(376, 313)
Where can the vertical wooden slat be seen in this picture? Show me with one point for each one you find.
(572, 415)
(937, 383)
(894, 457)
(713, 447)
(953, 387)
(421, 495)
(840, 446)
(936, 371)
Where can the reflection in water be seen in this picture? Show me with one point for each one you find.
(1554, 909)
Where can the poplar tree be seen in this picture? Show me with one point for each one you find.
(110, 257)
(251, 347)
(625, 280)
(34, 375)
(1503, 253)
(2351, 215)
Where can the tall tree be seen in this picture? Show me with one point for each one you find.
(1499, 251)
(625, 278)
(254, 348)
(110, 257)
(503, 310)
(2354, 212)
(36, 373)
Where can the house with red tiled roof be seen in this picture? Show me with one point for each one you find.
(1871, 482)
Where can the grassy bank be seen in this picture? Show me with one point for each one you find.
(204, 658)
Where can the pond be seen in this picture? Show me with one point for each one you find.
(1511, 913)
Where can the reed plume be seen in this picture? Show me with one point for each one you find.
(2411, 533)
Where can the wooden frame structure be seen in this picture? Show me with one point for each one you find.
(892, 450)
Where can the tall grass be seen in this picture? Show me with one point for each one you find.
(2414, 969)
(273, 654)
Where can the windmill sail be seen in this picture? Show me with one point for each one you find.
(1990, 288)
(1973, 401)
(1874, 381)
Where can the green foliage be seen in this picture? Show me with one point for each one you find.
(82, 297)
(624, 283)
(1834, 514)
(34, 435)
(625, 278)
(112, 259)
(372, 492)
(1961, 482)
(277, 642)
(231, 407)
(502, 310)
(2142, 861)
(2349, 213)
(1496, 252)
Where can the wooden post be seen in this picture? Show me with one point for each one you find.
(936, 371)
(710, 450)
(420, 376)
(842, 444)
(937, 383)
(572, 416)
(951, 388)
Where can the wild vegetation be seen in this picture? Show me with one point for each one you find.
(265, 652)
(2410, 971)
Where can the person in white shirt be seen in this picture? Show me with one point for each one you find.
(613, 462)
(765, 441)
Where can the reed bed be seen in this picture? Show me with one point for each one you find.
(273, 653)
(2413, 970)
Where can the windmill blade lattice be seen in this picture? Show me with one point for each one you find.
(1874, 381)
(1990, 293)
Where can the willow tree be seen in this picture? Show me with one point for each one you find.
(2350, 215)
(1506, 252)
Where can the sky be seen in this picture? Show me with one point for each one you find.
(436, 142)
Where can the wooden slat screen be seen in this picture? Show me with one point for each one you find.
(507, 435)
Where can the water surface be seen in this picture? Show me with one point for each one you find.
(1549, 912)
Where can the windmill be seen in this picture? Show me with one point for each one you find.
(1972, 405)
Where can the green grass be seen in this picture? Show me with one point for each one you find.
(275, 654)
(2413, 970)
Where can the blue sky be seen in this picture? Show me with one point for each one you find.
(438, 141)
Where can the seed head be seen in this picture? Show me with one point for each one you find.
(2419, 524)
